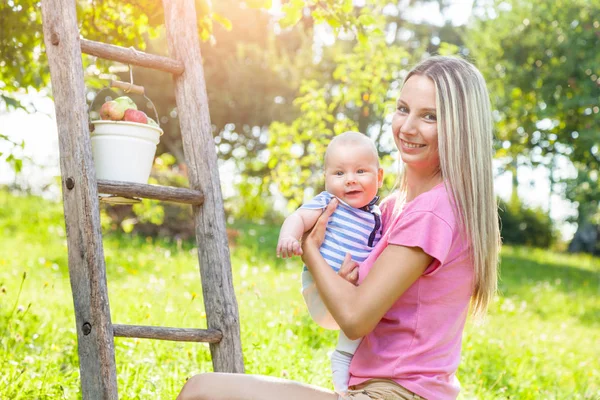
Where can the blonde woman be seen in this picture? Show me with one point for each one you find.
(436, 259)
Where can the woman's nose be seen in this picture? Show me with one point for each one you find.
(409, 125)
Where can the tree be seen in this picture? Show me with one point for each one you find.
(541, 62)
(367, 63)
(23, 65)
(261, 69)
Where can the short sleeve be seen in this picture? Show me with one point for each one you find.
(387, 207)
(426, 230)
(319, 202)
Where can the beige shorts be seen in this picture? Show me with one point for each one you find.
(379, 389)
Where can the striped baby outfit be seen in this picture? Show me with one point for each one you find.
(349, 230)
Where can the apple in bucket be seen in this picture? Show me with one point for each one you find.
(138, 116)
(115, 110)
(112, 110)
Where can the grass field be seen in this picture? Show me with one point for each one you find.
(541, 339)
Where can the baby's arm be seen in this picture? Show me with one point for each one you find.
(293, 228)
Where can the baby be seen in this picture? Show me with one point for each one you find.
(353, 176)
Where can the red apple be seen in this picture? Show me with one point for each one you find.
(133, 115)
(112, 110)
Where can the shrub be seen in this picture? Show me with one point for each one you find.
(525, 226)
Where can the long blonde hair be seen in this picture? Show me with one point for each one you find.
(465, 141)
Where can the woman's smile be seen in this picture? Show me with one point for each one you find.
(411, 145)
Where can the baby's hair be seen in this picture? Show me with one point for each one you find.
(351, 137)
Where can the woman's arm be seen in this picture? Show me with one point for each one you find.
(357, 309)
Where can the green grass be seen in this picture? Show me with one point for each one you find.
(541, 339)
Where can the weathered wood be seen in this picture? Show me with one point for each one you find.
(131, 56)
(127, 87)
(167, 333)
(80, 196)
(213, 251)
(163, 193)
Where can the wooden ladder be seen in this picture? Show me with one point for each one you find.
(87, 269)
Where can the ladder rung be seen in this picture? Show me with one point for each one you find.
(164, 193)
(165, 333)
(131, 56)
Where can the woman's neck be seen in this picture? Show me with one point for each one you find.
(418, 182)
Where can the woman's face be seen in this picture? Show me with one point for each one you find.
(414, 124)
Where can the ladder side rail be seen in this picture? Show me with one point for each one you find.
(130, 56)
(199, 147)
(80, 196)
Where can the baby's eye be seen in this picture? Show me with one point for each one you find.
(338, 173)
(360, 171)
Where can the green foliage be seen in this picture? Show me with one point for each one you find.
(249, 201)
(341, 15)
(24, 66)
(539, 341)
(525, 226)
(356, 96)
(257, 73)
(541, 62)
(584, 190)
(9, 156)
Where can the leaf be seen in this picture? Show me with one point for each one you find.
(18, 165)
(347, 7)
(292, 13)
(366, 19)
(12, 103)
(128, 224)
(333, 22)
(362, 38)
(224, 22)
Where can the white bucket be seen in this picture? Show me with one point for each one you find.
(124, 151)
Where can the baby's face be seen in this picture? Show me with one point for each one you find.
(352, 174)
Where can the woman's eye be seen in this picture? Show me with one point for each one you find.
(402, 109)
(430, 117)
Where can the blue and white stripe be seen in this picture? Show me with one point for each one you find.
(348, 230)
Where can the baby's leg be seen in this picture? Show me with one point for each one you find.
(340, 362)
(317, 309)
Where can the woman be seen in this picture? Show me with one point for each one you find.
(437, 257)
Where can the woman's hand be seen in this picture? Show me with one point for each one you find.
(349, 270)
(314, 238)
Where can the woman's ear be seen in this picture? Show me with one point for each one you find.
(380, 177)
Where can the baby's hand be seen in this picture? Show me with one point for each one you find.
(288, 247)
(349, 270)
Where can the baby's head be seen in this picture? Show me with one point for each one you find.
(352, 171)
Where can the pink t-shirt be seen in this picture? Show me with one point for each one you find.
(417, 343)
